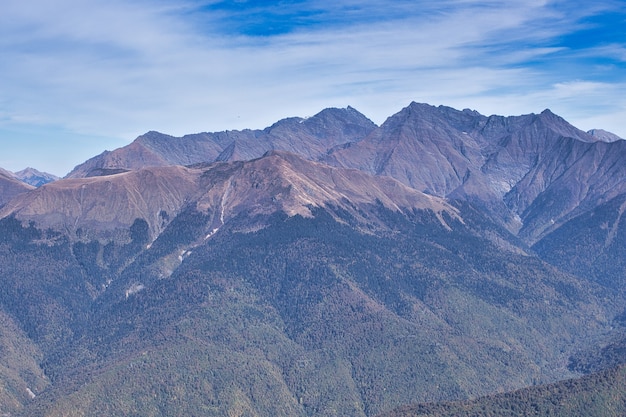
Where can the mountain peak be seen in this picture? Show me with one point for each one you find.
(279, 181)
(35, 177)
(561, 126)
(283, 181)
(332, 116)
(604, 136)
(151, 134)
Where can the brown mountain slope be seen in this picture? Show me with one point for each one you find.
(279, 181)
(417, 146)
(574, 179)
(11, 186)
(309, 316)
(284, 181)
(281, 286)
(105, 204)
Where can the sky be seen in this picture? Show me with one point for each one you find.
(78, 77)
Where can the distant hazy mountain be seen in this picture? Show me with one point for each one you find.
(10, 186)
(34, 177)
(604, 136)
(310, 138)
(321, 266)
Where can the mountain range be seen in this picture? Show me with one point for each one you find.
(320, 266)
(509, 165)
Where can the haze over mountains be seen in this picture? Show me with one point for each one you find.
(321, 266)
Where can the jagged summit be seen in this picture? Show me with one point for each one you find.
(503, 163)
(507, 164)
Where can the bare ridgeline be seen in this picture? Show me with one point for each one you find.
(322, 266)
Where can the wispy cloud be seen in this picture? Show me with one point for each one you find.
(116, 69)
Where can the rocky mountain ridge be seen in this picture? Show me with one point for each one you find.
(278, 181)
(321, 266)
(509, 165)
(309, 137)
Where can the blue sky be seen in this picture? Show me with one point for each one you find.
(81, 76)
